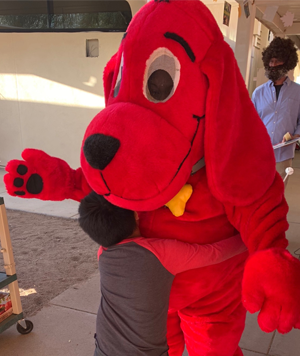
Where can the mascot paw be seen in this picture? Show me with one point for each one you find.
(20, 182)
(37, 176)
(271, 285)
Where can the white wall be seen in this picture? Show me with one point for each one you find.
(217, 9)
(297, 70)
(136, 5)
(50, 90)
(257, 74)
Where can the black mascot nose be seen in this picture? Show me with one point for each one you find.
(100, 149)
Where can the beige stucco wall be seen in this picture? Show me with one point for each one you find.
(297, 70)
(217, 9)
(257, 72)
(136, 5)
(50, 90)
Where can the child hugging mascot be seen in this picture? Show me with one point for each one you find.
(179, 123)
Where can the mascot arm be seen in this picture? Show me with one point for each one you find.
(44, 177)
(81, 187)
(271, 282)
(263, 223)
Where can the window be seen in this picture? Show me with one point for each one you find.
(92, 48)
(64, 16)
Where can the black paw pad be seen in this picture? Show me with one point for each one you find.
(34, 184)
(19, 193)
(18, 182)
(22, 169)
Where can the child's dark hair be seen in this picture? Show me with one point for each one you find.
(284, 50)
(104, 222)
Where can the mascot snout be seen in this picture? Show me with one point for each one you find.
(113, 143)
(100, 149)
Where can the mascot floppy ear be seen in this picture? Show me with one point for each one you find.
(108, 76)
(238, 152)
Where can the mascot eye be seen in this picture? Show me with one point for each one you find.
(161, 75)
(160, 84)
(119, 78)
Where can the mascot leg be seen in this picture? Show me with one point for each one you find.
(175, 335)
(216, 333)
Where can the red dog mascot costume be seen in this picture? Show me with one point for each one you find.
(178, 112)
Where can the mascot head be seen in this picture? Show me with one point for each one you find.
(284, 52)
(175, 97)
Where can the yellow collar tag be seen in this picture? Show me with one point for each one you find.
(178, 203)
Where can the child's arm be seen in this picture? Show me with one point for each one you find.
(177, 256)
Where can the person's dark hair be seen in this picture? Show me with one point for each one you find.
(104, 222)
(284, 50)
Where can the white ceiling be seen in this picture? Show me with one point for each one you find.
(277, 26)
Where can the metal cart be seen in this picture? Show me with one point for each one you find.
(9, 278)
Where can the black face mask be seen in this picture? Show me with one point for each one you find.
(275, 73)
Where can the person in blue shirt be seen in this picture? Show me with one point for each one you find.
(278, 100)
